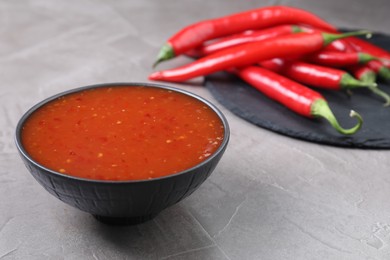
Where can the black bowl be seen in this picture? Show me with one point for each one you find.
(122, 202)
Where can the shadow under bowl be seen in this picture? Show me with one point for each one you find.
(122, 202)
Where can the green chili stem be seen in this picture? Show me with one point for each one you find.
(384, 73)
(370, 77)
(365, 57)
(367, 81)
(166, 53)
(320, 108)
(382, 94)
(347, 81)
(330, 37)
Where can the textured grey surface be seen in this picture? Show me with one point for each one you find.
(271, 197)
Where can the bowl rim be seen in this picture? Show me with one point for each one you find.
(30, 111)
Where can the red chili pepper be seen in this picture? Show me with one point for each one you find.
(321, 77)
(315, 75)
(340, 45)
(366, 74)
(294, 96)
(363, 73)
(194, 35)
(277, 65)
(367, 47)
(340, 59)
(380, 69)
(251, 53)
(241, 38)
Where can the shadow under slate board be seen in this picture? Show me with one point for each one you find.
(251, 105)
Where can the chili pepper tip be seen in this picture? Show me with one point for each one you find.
(320, 108)
(155, 76)
(166, 53)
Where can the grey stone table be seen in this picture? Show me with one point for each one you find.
(271, 197)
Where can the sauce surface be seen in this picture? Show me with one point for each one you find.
(122, 133)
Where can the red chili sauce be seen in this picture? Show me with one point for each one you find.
(122, 133)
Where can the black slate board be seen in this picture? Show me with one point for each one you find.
(253, 106)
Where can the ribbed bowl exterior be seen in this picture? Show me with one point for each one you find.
(123, 199)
